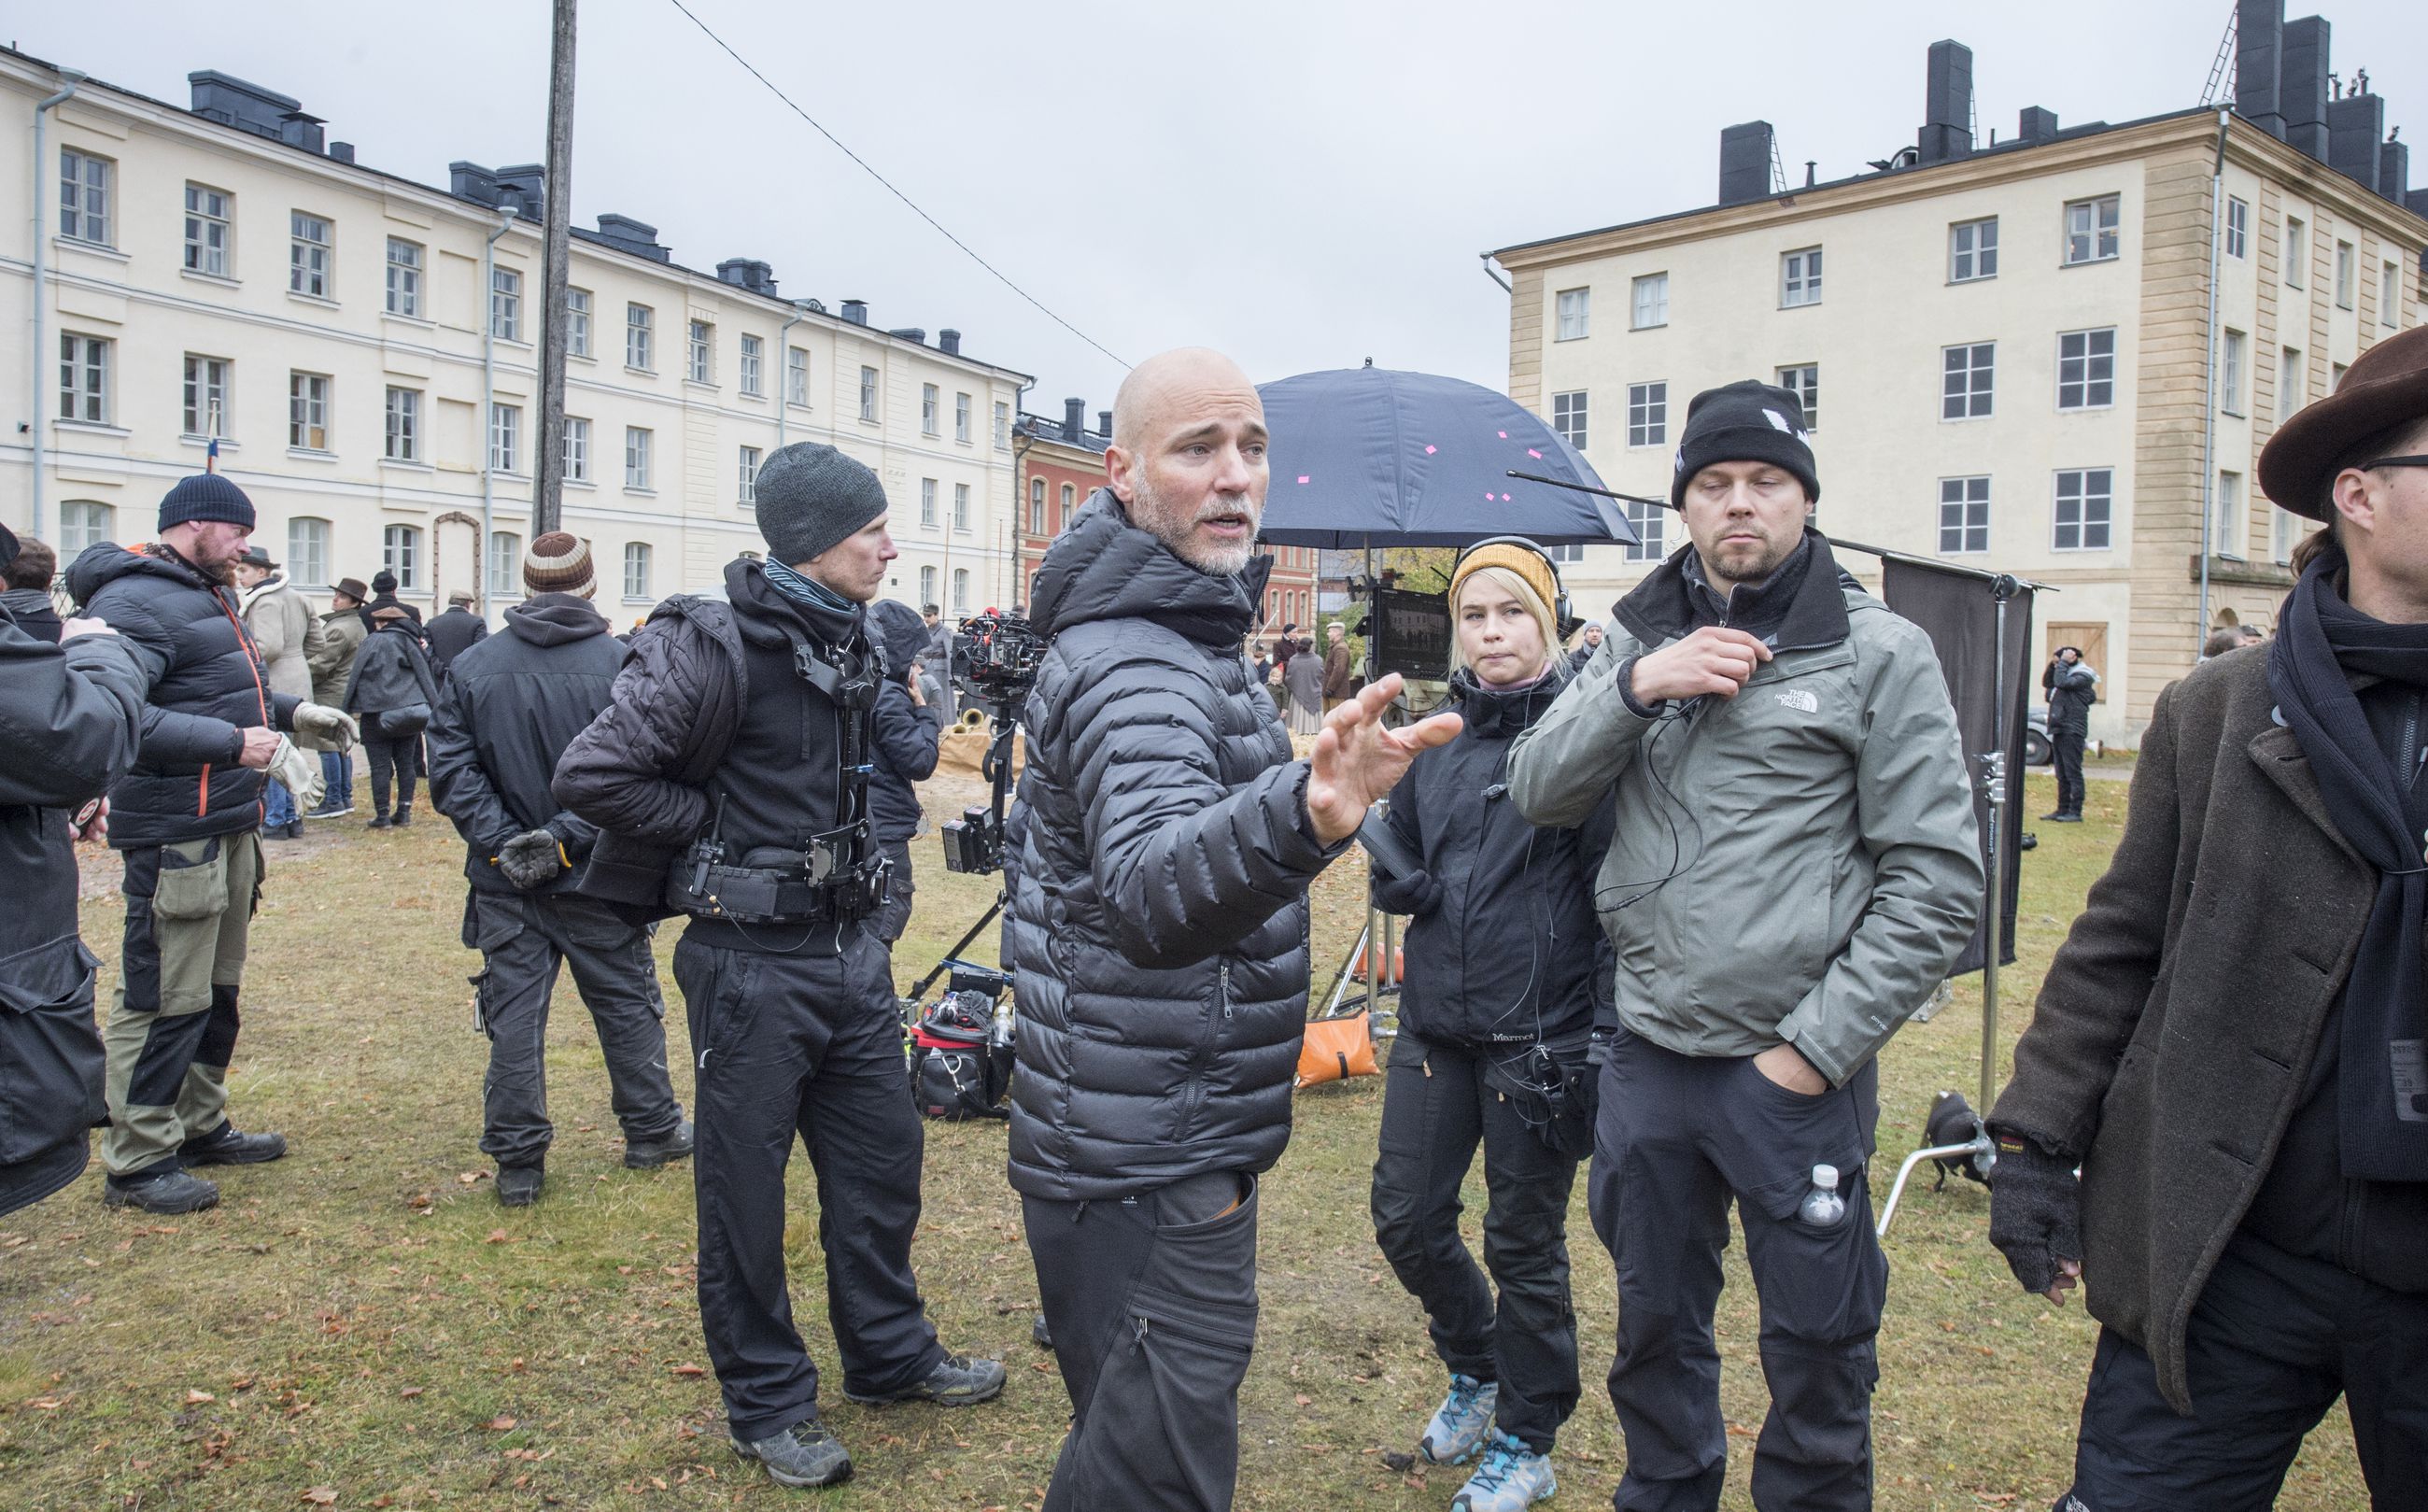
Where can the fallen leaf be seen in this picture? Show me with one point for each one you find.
(689, 1370)
(197, 1397)
(321, 1496)
(1303, 1400)
(410, 1392)
(469, 1177)
(499, 1235)
(501, 1423)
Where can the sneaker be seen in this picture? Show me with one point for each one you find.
(803, 1455)
(2062, 818)
(170, 1192)
(223, 1145)
(333, 809)
(1512, 1478)
(378, 822)
(1039, 1331)
(648, 1155)
(518, 1184)
(1460, 1422)
(960, 1381)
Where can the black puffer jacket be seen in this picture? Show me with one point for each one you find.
(205, 686)
(1159, 928)
(906, 734)
(511, 705)
(1509, 949)
(392, 671)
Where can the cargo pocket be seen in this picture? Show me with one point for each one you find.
(49, 1050)
(1162, 1426)
(1789, 1134)
(193, 884)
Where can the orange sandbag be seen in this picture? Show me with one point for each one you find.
(1397, 969)
(1337, 1048)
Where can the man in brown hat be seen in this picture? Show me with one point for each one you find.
(342, 630)
(2230, 1043)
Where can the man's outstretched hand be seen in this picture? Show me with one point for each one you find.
(1356, 760)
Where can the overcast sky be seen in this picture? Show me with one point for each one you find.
(1302, 183)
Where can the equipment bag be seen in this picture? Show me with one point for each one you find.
(1336, 1049)
(959, 1070)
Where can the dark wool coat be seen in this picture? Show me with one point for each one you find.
(2174, 1031)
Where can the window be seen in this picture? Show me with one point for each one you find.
(868, 393)
(1575, 314)
(505, 437)
(1964, 515)
(698, 363)
(403, 442)
(307, 256)
(1968, 376)
(751, 348)
(1036, 506)
(2229, 394)
(636, 457)
(961, 591)
(1805, 384)
(577, 448)
(927, 587)
(206, 395)
(1651, 301)
(2238, 228)
(2085, 497)
(1647, 414)
(2232, 527)
(636, 571)
(927, 503)
(927, 409)
(640, 349)
(307, 551)
(796, 376)
(2090, 230)
(506, 303)
(84, 196)
(1565, 553)
(2290, 395)
(1650, 521)
(1973, 250)
(577, 323)
(1003, 421)
(748, 469)
(404, 278)
(307, 411)
(207, 229)
(84, 378)
(2284, 533)
(2347, 274)
(1568, 417)
(2086, 370)
(2297, 249)
(961, 417)
(401, 553)
(2390, 294)
(82, 526)
(2336, 371)
(505, 564)
(1070, 501)
(1799, 278)
(961, 507)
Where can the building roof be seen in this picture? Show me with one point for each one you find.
(1042, 428)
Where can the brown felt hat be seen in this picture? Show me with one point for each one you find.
(2386, 386)
(352, 589)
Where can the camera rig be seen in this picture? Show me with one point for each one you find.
(995, 659)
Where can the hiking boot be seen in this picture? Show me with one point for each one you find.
(2062, 818)
(170, 1192)
(403, 815)
(803, 1455)
(960, 1381)
(1511, 1478)
(379, 821)
(648, 1155)
(1459, 1423)
(223, 1145)
(518, 1184)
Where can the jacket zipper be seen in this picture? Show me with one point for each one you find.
(260, 698)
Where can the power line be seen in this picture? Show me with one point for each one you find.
(881, 178)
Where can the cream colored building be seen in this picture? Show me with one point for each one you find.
(2005, 354)
(226, 271)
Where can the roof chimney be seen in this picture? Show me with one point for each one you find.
(2394, 170)
(524, 186)
(2356, 129)
(1745, 162)
(856, 311)
(625, 234)
(1947, 108)
(1074, 419)
(2036, 124)
(341, 152)
(2258, 56)
(948, 341)
(247, 107)
(2301, 85)
(910, 333)
(1105, 423)
(747, 274)
(470, 181)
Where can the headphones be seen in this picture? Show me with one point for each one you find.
(1563, 621)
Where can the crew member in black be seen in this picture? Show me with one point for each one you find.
(2073, 687)
(730, 779)
(906, 731)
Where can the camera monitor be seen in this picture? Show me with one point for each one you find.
(1411, 635)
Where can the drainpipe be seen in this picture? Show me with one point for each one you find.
(37, 425)
(1019, 494)
(784, 381)
(489, 405)
(2208, 418)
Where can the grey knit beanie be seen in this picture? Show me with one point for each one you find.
(812, 496)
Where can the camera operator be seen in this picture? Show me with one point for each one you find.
(1796, 865)
(72, 705)
(1496, 1011)
(729, 778)
(908, 732)
(1158, 936)
(2072, 687)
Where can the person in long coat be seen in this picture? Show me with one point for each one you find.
(1304, 680)
(289, 637)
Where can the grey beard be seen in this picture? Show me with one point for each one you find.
(1226, 562)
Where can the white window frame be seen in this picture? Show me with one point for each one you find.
(210, 230)
(307, 411)
(2233, 372)
(204, 399)
(311, 254)
(1647, 413)
(637, 563)
(400, 424)
(1803, 380)
(1573, 314)
(506, 303)
(2284, 533)
(927, 503)
(868, 394)
(83, 523)
(1571, 417)
(85, 362)
(577, 321)
(401, 553)
(700, 352)
(2084, 368)
(1976, 397)
(796, 376)
(2099, 236)
(503, 564)
(746, 469)
(404, 261)
(2389, 293)
(577, 448)
(1651, 530)
(961, 593)
(750, 363)
(1799, 278)
(505, 437)
(640, 337)
(2082, 496)
(1036, 506)
(1973, 250)
(1966, 528)
(961, 417)
(2347, 274)
(2293, 382)
(1002, 426)
(961, 509)
(928, 593)
(2230, 530)
(2237, 227)
(85, 180)
(307, 551)
(2297, 252)
(637, 440)
(1648, 302)
(931, 404)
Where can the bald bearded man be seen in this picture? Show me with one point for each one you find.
(1158, 936)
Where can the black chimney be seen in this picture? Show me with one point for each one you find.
(470, 181)
(2037, 125)
(341, 152)
(2394, 170)
(2259, 54)
(1745, 162)
(948, 341)
(910, 333)
(1074, 419)
(1105, 423)
(2302, 86)
(856, 311)
(625, 234)
(524, 185)
(2356, 129)
(1947, 110)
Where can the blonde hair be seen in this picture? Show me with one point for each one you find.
(1517, 589)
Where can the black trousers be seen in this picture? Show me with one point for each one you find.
(1436, 1111)
(2273, 1341)
(1152, 1302)
(2065, 747)
(807, 1045)
(400, 756)
(1677, 1138)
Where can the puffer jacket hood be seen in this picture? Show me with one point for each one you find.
(555, 618)
(1105, 567)
(900, 632)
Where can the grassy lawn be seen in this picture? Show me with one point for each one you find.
(360, 1325)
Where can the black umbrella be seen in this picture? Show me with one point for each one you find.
(1367, 456)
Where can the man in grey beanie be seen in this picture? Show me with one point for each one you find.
(728, 781)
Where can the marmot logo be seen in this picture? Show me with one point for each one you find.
(1801, 700)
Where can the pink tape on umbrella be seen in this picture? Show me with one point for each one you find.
(1301, 477)
(1532, 452)
(1504, 435)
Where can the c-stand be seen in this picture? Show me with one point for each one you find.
(975, 841)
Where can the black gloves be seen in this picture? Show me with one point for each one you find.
(2035, 1211)
(1415, 896)
(531, 860)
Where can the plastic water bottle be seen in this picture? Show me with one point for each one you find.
(1003, 1018)
(1822, 1207)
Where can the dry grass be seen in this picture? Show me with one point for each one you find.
(361, 1326)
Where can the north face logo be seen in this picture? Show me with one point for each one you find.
(1799, 700)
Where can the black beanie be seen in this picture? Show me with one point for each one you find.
(810, 496)
(205, 496)
(1745, 421)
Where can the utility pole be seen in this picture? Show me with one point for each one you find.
(548, 485)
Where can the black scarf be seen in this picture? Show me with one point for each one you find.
(2382, 1085)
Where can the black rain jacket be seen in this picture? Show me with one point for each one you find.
(905, 735)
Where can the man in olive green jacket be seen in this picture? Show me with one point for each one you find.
(1796, 866)
(342, 630)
